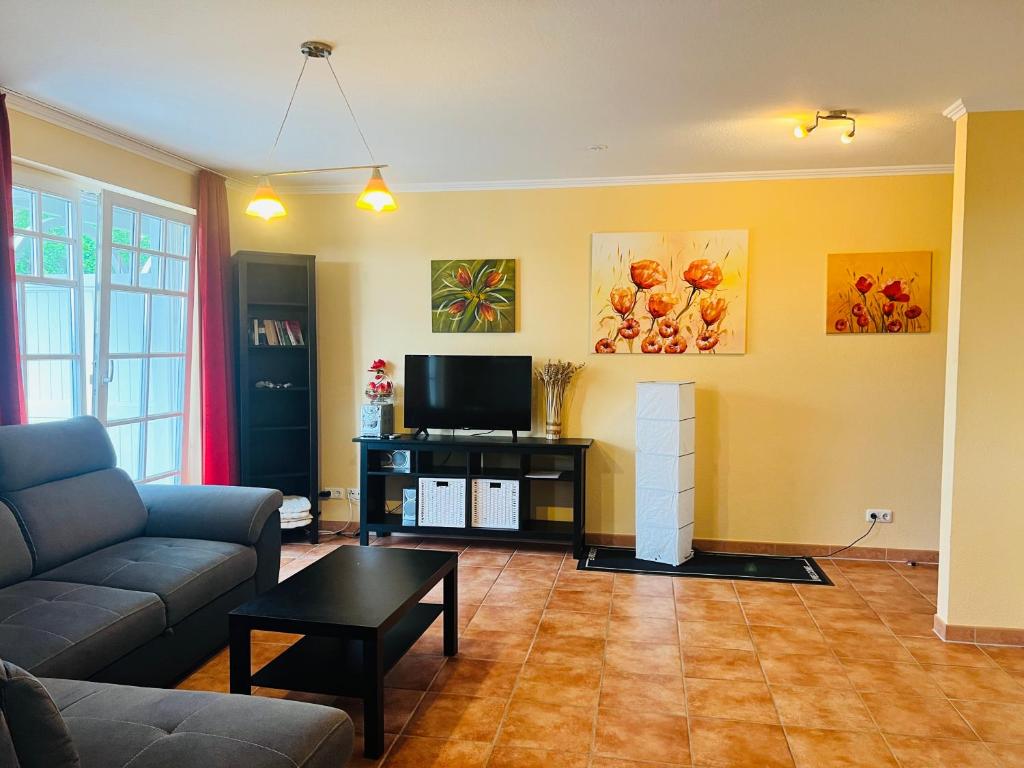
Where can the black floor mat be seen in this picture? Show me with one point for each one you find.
(709, 565)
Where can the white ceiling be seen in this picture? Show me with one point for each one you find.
(453, 91)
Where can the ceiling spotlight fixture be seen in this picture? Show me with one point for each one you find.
(597, 148)
(376, 196)
(802, 131)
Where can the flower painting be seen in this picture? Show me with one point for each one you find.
(473, 296)
(879, 292)
(669, 293)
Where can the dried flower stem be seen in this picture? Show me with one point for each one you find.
(556, 376)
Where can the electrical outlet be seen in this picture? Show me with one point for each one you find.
(336, 493)
(353, 494)
(881, 515)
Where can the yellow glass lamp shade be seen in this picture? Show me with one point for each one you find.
(799, 132)
(376, 197)
(847, 137)
(265, 203)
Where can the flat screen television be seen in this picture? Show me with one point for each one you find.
(468, 392)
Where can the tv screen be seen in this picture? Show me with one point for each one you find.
(468, 392)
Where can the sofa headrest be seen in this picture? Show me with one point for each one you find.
(33, 454)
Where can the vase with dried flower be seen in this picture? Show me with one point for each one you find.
(556, 377)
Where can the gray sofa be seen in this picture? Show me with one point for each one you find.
(102, 580)
(74, 724)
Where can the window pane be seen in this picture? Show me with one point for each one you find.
(90, 232)
(175, 273)
(169, 480)
(121, 263)
(163, 445)
(122, 226)
(152, 233)
(127, 322)
(124, 392)
(56, 216)
(126, 439)
(50, 389)
(166, 384)
(177, 238)
(149, 270)
(168, 324)
(24, 209)
(24, 254)
(47, 316)
(56, 259)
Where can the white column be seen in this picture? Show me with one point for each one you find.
(665, 423)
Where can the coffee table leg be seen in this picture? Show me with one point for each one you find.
(451, 612)
(240, 658)
(373, 697)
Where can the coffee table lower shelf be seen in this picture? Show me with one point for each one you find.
(334, 666)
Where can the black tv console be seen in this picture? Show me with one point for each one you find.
(561, 464)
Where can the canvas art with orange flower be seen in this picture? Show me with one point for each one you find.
(879, 292)
(473, 296)
(669, 293)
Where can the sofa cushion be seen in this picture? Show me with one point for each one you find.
(31, 724)
(115, 725)
(185, 573)
(68, 518)
(74, 630)
(33, 454)
(15, 559)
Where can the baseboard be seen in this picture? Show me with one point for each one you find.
(963, 633)
(778, 548)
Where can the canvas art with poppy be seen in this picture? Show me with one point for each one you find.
(669, 293)
(879, 292)
(473, 296)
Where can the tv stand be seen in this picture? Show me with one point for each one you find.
(554, 472)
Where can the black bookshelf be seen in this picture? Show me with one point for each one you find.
(475, 457)
(277, 426)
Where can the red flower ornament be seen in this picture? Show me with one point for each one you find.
(647, 273)
(913, 312)
(667, 328)
(859, 310)
(605, 347)
(842, 324)
(630, 328)
(676, 347)
(864, 284)
(862, 321)
(651, 345)
(703, 275)
(894, 326)
(462, 275)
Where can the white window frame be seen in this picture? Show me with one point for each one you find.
(38, 184)
(104, 356)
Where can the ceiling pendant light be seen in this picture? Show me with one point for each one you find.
(265, 203)
(803, 131)
(376, 197)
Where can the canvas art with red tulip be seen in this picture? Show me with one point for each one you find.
(879, 292)
(473, 296)
(669, 293)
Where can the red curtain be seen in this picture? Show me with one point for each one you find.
(12, 393)
(216, 355)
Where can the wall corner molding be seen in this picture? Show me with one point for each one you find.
(43, 111)
(955, 111)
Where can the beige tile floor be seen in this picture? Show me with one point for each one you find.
(584, 670)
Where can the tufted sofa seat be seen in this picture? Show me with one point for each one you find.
(78, 724)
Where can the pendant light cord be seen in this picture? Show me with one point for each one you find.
(351, 111)
(295, 90)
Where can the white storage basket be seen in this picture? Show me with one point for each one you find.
(496, 504)
(442, 502)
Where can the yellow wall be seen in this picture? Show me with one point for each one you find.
(59, 148)
(983, 485)
(795, 439)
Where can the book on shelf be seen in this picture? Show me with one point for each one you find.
(276, 333)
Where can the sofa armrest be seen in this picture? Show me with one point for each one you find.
(215, 512)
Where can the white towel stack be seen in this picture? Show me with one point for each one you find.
(296, 511)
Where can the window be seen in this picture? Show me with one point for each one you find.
(105, 299)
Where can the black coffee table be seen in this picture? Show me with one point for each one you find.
(360, 611)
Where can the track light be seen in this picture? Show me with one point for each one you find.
(802, 131)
